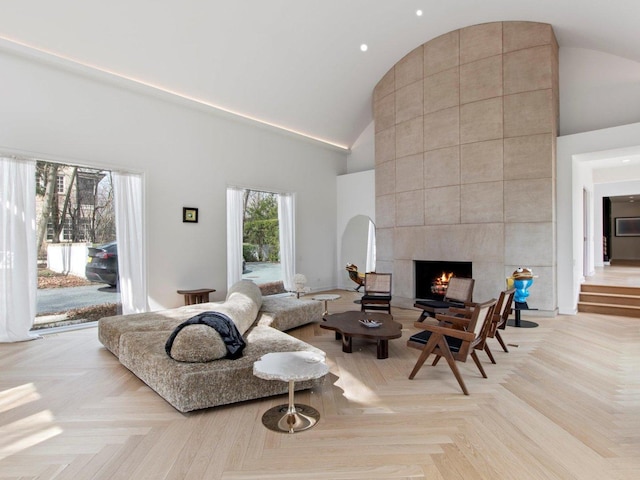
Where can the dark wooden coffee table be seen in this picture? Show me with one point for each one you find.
(348, 326)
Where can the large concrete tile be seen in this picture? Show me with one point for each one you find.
(409, 173)
(481, 161)
(409, 137)
(442, 205)
(442, 129)
(482, 202)
(442, 53)
(481, 121)
(442, 167)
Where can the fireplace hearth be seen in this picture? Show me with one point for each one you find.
(432, 277)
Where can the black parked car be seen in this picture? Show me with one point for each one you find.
(102, 264)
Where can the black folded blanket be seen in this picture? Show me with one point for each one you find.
(221, 324)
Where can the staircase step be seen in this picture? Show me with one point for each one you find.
(615, 289)
(605, 309)
(610, 299)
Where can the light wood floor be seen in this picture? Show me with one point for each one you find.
(563, 404)
(621, 275)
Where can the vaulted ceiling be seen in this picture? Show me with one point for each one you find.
(298, 63)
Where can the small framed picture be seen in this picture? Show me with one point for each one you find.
(190, 215)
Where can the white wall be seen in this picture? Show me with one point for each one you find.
(356, 196)
(597, 90)
(188, 156)
(571, 179)
(362, 155)
(67, 258)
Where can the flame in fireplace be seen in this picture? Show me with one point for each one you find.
(444, 278)
(440, 284)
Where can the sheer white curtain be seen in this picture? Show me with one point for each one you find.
(371, 248)
(286, 221)
(235, 211)
(132, 266)
(18, 257)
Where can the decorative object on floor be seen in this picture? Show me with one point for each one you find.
(325, 297)
(454, 338)
(300, 282)
(189, 215)
(521, 280)
(355, 276)
(290, 367)
(348, 325)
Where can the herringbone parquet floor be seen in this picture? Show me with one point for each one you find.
(563, 404)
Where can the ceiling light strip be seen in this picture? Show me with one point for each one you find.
(183, 96)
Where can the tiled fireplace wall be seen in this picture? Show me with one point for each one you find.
(465, 135)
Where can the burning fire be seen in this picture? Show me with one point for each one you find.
(440, 284)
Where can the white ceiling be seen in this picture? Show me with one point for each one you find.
(293, 63)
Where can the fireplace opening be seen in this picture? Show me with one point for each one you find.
(432, 277)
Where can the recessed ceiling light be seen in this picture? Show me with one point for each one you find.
(364, 47)
(625, 160)
(419, 13)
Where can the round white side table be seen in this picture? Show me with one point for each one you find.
(290, 367)
(328, 297)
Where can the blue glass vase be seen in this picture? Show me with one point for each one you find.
(522, 289)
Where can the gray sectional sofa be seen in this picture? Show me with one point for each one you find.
(198, 376)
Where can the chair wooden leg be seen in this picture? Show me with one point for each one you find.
(476, 360)
(489, 354)
(426, 351)
(423, 316)
(452, 365)
(436, 360)
(499, 338)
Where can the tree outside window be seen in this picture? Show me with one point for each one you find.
(261, 237)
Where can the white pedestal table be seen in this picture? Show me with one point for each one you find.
(290, 367)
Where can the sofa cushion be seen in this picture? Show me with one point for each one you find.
(200, 343)
(110, 329)
(285, 313)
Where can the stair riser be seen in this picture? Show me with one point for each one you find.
(609, 310)
(611, 300)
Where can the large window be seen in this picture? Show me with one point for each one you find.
(260, 237)
(262, 222)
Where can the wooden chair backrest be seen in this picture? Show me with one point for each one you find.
(503, 307)
(377, 283)
(460, 289)
(481, 319)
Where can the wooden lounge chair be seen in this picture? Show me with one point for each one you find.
(454, 338)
